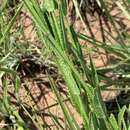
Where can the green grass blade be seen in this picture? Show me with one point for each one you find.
(113, 122)
(64, 108)
(7, 29)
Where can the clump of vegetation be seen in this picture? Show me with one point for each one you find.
(59, 58)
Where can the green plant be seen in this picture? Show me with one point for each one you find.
(82, 79)
(62, 41)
